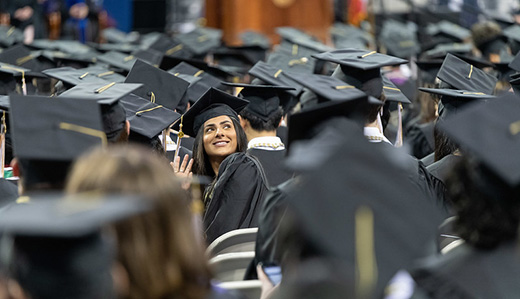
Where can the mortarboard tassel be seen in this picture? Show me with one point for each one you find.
(399, 137)
(180, 134)
(24, 86)
(3, 131)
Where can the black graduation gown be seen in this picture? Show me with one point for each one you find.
(8, 192)
(233, 201)
(466, 272)
(420, 138)
(441, 170)
(429, 159)
(272, 162)
(283, 133)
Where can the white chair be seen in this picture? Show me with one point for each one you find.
(231, 266)
(250, 289)
(238, 240)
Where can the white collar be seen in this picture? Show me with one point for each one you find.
(271, 143)
(374, 135)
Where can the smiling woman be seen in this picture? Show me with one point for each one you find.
(234, 197)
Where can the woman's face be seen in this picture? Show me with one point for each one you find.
(220, 137)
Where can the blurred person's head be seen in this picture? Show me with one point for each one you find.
(159, 251)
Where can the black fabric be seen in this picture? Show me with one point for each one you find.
(8, 192)
(283, 133)
(170, 155)
(233, 201)
(466, 272)
(440, 170)
(273, 164)
(420, 138)
(211, 112)
(428, 160)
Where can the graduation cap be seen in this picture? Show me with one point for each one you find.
(193, 66)
(102, 93)
(400, 39)
(264, 100)
(171, 47)
(68, 216)
(54, 128)
(9, 71)
(288, 62)
(441, 50)
(19, 55)
(116, 36)
(252, 38)
(150, 56)
(448, 29)
(361, 68)
(212, 104)
(392, 93)
(201, 40)
(301, 124)
(515, 63)
(348, 36)
(458, 74)
(119, 60)
(242, 57)
(327, 88)
(379, 227)
(10, 35)
(275, 76)
(159, 86)
(104, 73)
(493, 139)
(453, 100)
(197, 88)
(147, 118)
(123, 48)
(73, 76)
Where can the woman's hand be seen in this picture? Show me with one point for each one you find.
(183, 171)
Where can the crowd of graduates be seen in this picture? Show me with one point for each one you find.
(372, 167)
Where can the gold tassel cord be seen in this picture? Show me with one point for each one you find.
(302, 61)
(174, 49)
(128, 58)
(277, 73)
(366, 264)
(105, 74)
(103, 88)
(23, 60)
(470, 72)
(514, 128)
(343, 87)
(198, 73)
(84, 130)
(148, 110)
(391, 88)
(368, 54)
(10, 31)
(83, 76)
(294, 49)
(152, 97)
(24, 86)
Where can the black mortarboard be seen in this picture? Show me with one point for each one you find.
(10, 35)
(221, 72)
(20, 55)
(198, 88)
(252, 38)
(104, 73)
(212, 104)
(380, 229)
(327, 88)
(458, 74)
(348, 36)
(73, 76)
(103, 93)
(392, 93)
(54, 128)
(361, 68)
(264, 100)
(150, 56)
(493, 139)
(515, 63)
(400, 39)
(448, 29)
(147, 118)
(171, 47)
(201, 40)
(453, 100)
(442, 50)
(301, 124)
(275, 76)
(284, 60)
(116, 36)
(68, 216)
(123, 48)
(119, 60)
(159, 86)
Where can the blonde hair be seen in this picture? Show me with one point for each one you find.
(159, 250)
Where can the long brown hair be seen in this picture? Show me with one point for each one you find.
(159, 250)
(201, 165)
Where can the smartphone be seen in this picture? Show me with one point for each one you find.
(274, 273)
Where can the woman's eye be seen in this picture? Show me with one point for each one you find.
(227, 126)
(208, 130)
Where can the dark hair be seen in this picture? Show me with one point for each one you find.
(487, 209)
(259, 124)
(373, 110)
(201, 164)
(443, 145)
